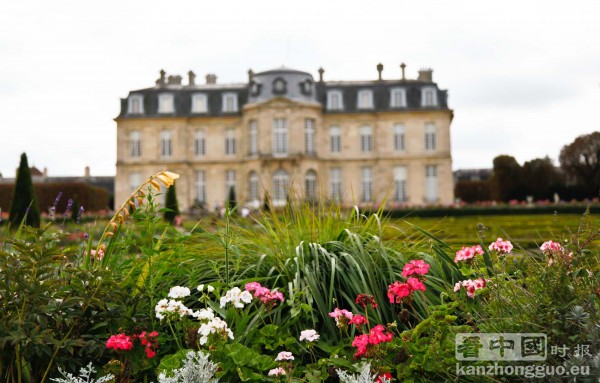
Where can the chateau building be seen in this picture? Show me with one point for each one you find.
(356, 142)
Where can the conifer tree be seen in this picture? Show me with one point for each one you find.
(23, 200)
(231, 201)
(171, 204)
(267, 202)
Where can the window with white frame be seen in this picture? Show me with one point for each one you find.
(366, 139)
(201, 186)
(166, 103)
(230, 182)
(166, 144)
(252, 137)
(135, 144)
(335, 100)
(281, 185)
(135, 180)
(367, 184)
(335, 179)
(400, 190)
(253, 186)
(310, 185)
(135, 104)
(280, 137)
(398, 98)
(335, 139)
(431, 183)
(230, 102)
(230, 142)
(199, 143)
(199, 103)
(430, 136)
(365, 99)
(429, 96)
(309, 136)
(399, 138)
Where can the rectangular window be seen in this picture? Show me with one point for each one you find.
(399, 138)
(199, 103)
(201, 186)
(366, 139)
(430, 136)
(365, 99)
(230, 142)
(230, 182)
(431, 183)
(166, 144)
(135, 144)
(400, 190)
(199, 144)
(309, 136)
(230, 102)
(335, 178)
(166, 103)
(253, 186)
(135, 180)
(280, 137)
(367, 184)
(334, 100)
(398, 98)
(135, 104)
(252, 137)
(335, 139)
(428, 97)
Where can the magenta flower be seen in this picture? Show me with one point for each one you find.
(418, 267)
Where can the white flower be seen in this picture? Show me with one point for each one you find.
(237, 297)
(210, 289)
(309, 335)
(214, 326)
(204, 314)
(165, 307)
(179, 292)
(277, 371)
(200, 287)
(284, 355)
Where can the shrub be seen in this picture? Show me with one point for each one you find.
(24, 203)
(171, 205)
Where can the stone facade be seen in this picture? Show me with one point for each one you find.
(359, 142)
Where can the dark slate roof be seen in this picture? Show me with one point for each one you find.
(381, 96)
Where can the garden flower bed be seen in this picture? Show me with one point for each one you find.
(299, 295)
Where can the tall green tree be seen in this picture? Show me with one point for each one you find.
(23, 199)
(541, 179)
(231, 200)
(507, 179)
(581, 162)
(171, 204)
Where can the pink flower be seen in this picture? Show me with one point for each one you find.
(277, 372)
(378, 335)
(361, 342)
(341, 317)
(366, 343)
(415, 284)
(358, 320)
(397, 291)
(418, 267)
(468, 253)
(502, 247)
(266, 296)
(284, 355)
(471, 286)
(119, 342)
(551, 247)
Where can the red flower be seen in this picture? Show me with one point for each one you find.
(398, 291)
(119, 342)
(364, 300)
(358, 320)
(385, 375)
(415, 284)
(417, 267)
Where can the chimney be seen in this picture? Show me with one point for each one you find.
(403, 67)
(161, 80)
(191, 78)
(250, 75)
(321, 71)
(426, 74)
(174, 80)
(211, 78)
(86, 172)
(45, 172)
(379, 70)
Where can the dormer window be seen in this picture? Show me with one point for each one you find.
(165, 103)
(230, 102)
(306, 87)
(365, 99)
(135, 104)
(279, 86)
(335, 100)
(255, 89)
(199, 103)
(398, 98)
(428, 97)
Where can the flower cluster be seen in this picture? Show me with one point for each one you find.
(171, 308)
(468, 253)
(367, 344)
(501, 246)
(284, 358)
(470, 286)
(278, 371)
(309, 335)
(415, 270)
(179, 292)
(341, 317)
(215, 328)
(551, 247)
(365, 300)
(359, 321)
(555, 250)
(267, 297)
(119, 342)
(415, 267)
(237, 297)
(149, 342)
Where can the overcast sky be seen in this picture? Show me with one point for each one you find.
(523, 76)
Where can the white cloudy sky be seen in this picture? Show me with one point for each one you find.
(523, 75)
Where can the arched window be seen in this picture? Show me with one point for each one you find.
(366, 139)
(281, 185)
(310, 185)
(135, 144)
(253, 186)
(166, 144)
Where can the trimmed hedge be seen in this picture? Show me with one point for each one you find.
(491, 210)
(90, 197)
